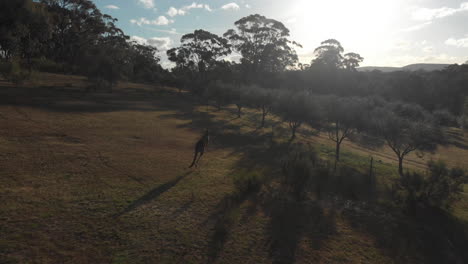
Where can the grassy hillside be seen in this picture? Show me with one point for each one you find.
(103, 178)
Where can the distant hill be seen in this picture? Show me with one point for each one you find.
(411, 67)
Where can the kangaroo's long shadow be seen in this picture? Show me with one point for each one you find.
(153, 194)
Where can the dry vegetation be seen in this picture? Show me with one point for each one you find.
(103, 178)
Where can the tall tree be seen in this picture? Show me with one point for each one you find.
(263, 44)
(199, 50)
(330, 55)
(352, 60)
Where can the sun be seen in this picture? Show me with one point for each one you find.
(358, 24)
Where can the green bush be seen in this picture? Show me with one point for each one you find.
(247, 182)
(45, 65)
(439, 187)
(13, 72)
(302, 172)
(305, 172)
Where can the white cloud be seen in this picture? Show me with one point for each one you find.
(147, 3)
(428, 14)
(428, 49)
(112, 7)
(160, 21)
(461, 43)
(247, 6)
(416, 27)
(172, 12)
(162, 44)
(230, 6)
(403, 45)
(196, 6)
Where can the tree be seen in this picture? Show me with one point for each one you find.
(24, 29)
(144, 62)
(296, 109)
(259, 97)
(77, 26)
(406, 128)
(200, 50)
(263, 44)
(351, 61)
(343, 118)
(12, 25)
(329, 54)
(109, 62)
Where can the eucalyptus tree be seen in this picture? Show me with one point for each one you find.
(109, 61)
(330, 55)
(263, 43)
(144, 62)
(352, 60)
(199, 50)
(77, 25)
(24, 29)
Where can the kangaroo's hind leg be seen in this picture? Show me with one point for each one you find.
(194, 159)
(199, 157)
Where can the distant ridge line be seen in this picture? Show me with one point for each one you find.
(411, 67)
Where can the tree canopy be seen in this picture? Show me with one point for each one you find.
(263, 44)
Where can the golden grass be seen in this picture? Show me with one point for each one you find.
(103, 178)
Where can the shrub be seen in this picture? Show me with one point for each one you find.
(445, 118)
(45, 65)
(302, 172)
(12, 71)
(440, 187)
(247, 182)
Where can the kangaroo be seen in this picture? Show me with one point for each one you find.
(200, 148)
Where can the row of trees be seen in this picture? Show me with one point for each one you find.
(71, 36)
(403, 127)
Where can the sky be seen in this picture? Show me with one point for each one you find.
(384, 32)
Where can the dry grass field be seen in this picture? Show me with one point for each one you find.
(102, 178)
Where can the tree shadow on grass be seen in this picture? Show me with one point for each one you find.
(291, 221)
(428, 235)
(153, 194)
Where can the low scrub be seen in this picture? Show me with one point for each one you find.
(247, 182)
(439, 187)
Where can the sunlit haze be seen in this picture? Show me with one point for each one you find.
(385, 33)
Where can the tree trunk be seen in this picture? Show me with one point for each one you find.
(294, 126)
(400, 166)
(337, 153)
(239, 110)
(293, 133)
(264, 113)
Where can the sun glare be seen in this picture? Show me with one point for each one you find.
(357, 24)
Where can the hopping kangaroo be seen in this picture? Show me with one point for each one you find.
(200, 148)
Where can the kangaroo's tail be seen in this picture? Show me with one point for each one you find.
(194, 160)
